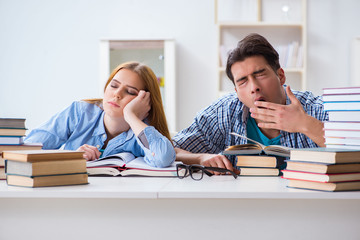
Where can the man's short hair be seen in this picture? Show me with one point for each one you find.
(253, 45)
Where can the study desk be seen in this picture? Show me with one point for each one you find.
(216, 207)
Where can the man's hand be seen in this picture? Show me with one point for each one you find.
(205, 159)
(289, 118)
(219, 161)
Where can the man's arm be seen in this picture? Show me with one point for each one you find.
(205, 159)
(289, 118)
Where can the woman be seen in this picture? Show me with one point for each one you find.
(130, 118)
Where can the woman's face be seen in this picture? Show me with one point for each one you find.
(123, 88)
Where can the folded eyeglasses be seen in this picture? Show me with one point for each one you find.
(184, 170)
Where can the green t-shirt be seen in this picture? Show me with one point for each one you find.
(254, 132)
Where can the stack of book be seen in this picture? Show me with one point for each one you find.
(343, 128)
(325, 169)
(256, 159)
(12, 131)
(42, 168)
(259, 165)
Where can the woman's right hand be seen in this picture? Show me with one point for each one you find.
(91, 152)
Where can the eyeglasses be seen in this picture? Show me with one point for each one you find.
(184, 170)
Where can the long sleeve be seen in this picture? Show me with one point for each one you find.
(55, 132)
(159, 152)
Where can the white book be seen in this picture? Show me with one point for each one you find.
(11, 140)
(299, 60)
(341, 133)
(289, 56)
(294, 56)
(342, 125)
(340, 97)
(346, 141)
(341, 90)
(344, 116)
(342, 146)
(349, 105)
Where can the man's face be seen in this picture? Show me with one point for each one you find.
(255, 80)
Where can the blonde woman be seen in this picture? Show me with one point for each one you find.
(130, 118)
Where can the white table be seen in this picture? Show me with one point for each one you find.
(170, 208)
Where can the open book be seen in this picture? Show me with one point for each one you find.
(126, 164)
(256, 148)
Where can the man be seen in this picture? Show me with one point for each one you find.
(263, 109)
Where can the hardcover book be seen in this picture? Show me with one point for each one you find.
(259, 161)
(45, 167)
(322, 167)
(342, 133)
(321, 177)
(12, 122)
(343, 140)
(34, 146)
(342, 125)
(47, 181)
(11, 140)
(41, 155)
(12, 131)
(341, 97)
(349, 105)
(256, 148)
(325, 155)
(343, 146)
(342, 90)
(259, 171)
(324, 186)
(344, 116)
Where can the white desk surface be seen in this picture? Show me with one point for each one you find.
(220, 187)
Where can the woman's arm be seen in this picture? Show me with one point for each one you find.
(159, 151)
(54, 133)
(136, 111)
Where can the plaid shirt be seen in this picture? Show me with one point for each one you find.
(210, 130)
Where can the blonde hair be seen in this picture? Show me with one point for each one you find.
(156, 116)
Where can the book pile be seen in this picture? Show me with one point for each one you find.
(43, 168)
(259, 165)
(12, 132)
(325, 169)
(343, 128)
(256, 159)
(126, 164)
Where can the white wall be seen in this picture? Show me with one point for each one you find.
(49, 49)
(332, 26)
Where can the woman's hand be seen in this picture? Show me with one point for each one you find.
(139, 107)
(136, 111)
(91, 152)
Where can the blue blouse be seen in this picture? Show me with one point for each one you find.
(83, 123)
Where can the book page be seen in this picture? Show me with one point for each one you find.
(139, 163)
(249, 139)
(120, 159)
